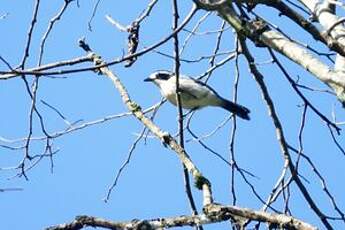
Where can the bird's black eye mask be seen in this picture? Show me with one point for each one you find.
(163, 76)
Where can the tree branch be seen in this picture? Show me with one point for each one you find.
(213, 213)
(262, 35)
(200, 181)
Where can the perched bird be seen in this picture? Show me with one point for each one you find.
(194, 94)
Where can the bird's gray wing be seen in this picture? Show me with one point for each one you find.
(193, 89)
(187, 93)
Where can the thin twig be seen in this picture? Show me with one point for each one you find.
(195, 28)
(89, 26)
(234, 127)
(281, 137)
(186, 178)
(117, 61)
(56, 18)
(217, 65)
(147, 11)
(123, 166)
(29, 36)
(300, 94)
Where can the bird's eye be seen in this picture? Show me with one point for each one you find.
(163, 76)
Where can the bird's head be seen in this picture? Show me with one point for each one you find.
(159, 77)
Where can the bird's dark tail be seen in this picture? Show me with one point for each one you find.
(236, 109)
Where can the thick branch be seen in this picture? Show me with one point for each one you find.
(262, 35)
(327, 18)
(284, 9)
(213, 214)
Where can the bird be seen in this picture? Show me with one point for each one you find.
(194, 94)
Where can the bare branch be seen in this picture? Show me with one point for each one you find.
(116, 24)
(123, 166)
(261, 35)
(200, 181)
(29, 36)
(300, 94)
(281, 137)
(186, 178)
(56, 18)
(125, 58)
(14, 73)
(307, 25)
(93, 15)
(214, 213)
(146, 12)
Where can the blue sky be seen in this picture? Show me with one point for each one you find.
(152, 184)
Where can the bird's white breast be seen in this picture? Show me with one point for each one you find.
(168, 90)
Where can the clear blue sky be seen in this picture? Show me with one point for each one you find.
(152, 184)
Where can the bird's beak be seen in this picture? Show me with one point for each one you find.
(148, 79)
